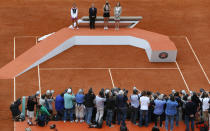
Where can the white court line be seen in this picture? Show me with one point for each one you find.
(182, 76)
(26, 36)
(14, 77)
(177, 36)
(207, 78)
(14, 84)
(108, 68)
(110, 74)
(39, 79)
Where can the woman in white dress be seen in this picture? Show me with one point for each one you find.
(117, 14)
(74, 15)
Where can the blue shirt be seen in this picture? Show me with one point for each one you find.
(59, 103)
(171, 107)
(80, 98)
(159, 106)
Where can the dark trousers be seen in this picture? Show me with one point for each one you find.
(121, 115)
(134, 114)
(59, 115)
(109, 116)
(161, 119)
(92, 23)
(187, 121)
(143, 114)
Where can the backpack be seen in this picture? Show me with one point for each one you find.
(41, 120)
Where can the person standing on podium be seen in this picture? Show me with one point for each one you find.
(92, 16)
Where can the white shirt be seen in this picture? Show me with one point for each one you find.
(42, 102)
(144, 100)
(100, 102)
(134, 101)
(205, 103)
(74, 15)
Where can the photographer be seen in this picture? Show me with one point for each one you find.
(14, 108)
(204, 98)
(42, 115)
(30, 108)
(49, 101)
(59, 106)
(121, 103)
(134, 99)
(89, 98)
(144, 106)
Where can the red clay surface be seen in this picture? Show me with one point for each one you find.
(80, 127)
(40, 17)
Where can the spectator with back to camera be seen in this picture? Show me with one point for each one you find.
(134, 99)
(89, 98)
(68, 105)
(49, 101)
(178, 99)
(190, 110)
(74, 15)
(110, 105)
(106, 9)
(80, 107)
(204, 98)
(100, 106)
(59, 106)
(121, 102)
(171, 110)
(30, 108)
(144, 106)
(159, 109)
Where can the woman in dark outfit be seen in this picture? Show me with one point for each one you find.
(106, 15)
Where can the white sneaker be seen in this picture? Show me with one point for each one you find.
(104, 28)
(76, 121)
(64, 121)
(77, 28)
(81, 121)
(72, 121)
(111, 126)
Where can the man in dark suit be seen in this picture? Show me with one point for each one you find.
(92, 16)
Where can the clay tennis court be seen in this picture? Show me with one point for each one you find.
(99, 67)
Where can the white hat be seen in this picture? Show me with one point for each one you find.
(69, 91)
(183, 92)
(121, 92)
(37, 93)
(52, 91)
(189, 98)
(48, 92)
(160, 96)
(80, 91)
(191, 93)
(107, 91)
(173, 91)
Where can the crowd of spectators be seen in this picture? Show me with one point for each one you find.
(115, 106)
